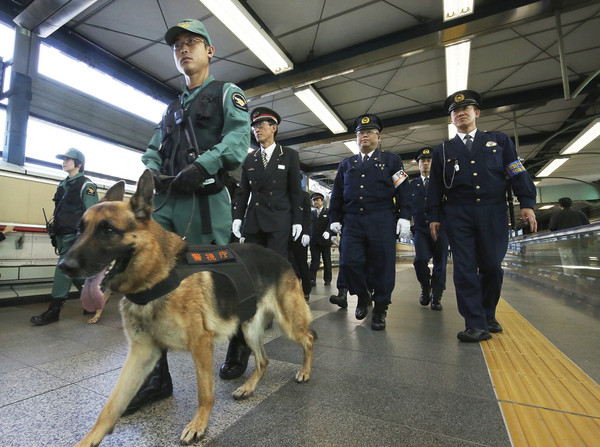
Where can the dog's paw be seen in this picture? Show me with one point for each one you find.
(93, 320)
(191, 434)
(302, 376)
(242, 393)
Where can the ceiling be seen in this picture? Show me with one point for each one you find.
(384, 57)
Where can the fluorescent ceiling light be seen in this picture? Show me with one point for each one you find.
(551, 166)
(241, 23)
(585, 137)
(352, 146)
(313, 100)
(453, 9)
(546, 207)
(457, 66)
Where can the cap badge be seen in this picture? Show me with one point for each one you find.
(459, 98)
(425, 151)
(365, 120)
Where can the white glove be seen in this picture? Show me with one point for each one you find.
(242, 240)
(403, 227)
(325, 235)
(336, 227)
(335, 240)
(305, 240)
(236, 227)
(296, 231)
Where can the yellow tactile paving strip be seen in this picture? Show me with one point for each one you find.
(545, 398)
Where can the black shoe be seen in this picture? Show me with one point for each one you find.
(436, 299)
(425, 297)
(362, 308)
(327, 283)
(158, 385)
(89, 312)
(306, 297)
(340, 299)
(51, 315)
(473, 335)
(313, 283)
(236, 360)
(378, 321)
(494, 326)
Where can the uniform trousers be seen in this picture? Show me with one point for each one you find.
(478, 237)
(62, 283)
(182, 215)
(316, 253)
(368, 259)
(425, 249)
(299, 260)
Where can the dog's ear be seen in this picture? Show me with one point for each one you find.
(141, 201)
(115, 193)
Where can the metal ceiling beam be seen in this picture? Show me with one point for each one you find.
(492, 17)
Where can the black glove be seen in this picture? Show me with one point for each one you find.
(158, 186)
(190, 178)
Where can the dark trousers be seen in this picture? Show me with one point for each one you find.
(299, 260)
(425, 249)
(276, 241)
(316, 253)
(478, 237)
(368, 259)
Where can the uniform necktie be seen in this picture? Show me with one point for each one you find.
(264, 158)
(426, 183)
(468, 142)
(365, 158)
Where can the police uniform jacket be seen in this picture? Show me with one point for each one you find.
(419, 196)
(73, 197)
(270, 198)
(318, 225)
(363, 188)
(477, 177)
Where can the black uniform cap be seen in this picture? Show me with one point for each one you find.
(368, 121)
(317, 195)
(462, 98)
(264, 114)
(425, 152)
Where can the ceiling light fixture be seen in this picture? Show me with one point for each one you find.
(352, 146)
(315, 102)
(551, 166)
(585, 137)
(457, 72)
(546, 207)
(453, 9)
(241, 23)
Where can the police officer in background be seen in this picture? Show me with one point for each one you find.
(203, 134)
(467, 196)
(320, 239)
(74, 195)
(432, 285)
(299, 248)
(371, 200)
(271, 177)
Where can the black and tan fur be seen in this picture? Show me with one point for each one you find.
(187, 318)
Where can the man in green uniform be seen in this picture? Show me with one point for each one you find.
(203, 134)
(74, 195)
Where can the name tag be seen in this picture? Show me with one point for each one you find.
(281, 167)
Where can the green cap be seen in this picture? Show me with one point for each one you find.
(73, 153)
(190, 25)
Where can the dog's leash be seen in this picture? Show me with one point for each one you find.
(158, 208)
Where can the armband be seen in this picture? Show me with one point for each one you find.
(399, 178)
(514, 168)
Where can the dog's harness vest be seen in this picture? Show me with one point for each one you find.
(217, 259)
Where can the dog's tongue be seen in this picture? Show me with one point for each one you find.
(92, 298)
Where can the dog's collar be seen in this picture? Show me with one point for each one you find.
(160, 289)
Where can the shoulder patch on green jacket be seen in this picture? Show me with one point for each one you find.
(239, 101)
(90, 190)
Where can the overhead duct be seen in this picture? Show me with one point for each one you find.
(43, 17)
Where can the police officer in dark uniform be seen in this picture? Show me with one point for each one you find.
(467, 196)
(369, 193)
(299, 249)
(432, 285)
(203, 134)
(271, 177)
(320, 239)
(74, 195)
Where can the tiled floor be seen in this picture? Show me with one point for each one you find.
(413, 384)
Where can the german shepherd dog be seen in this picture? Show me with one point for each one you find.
(142, 253)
